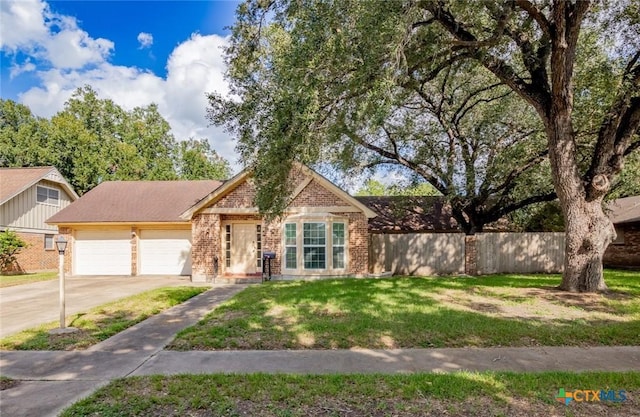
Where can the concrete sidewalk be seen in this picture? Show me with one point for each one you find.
(618, 358)
(51, 381)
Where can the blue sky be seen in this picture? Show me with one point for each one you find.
(133, 52)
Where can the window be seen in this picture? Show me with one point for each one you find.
(290, 246)
(619, 236)
(337, 248)
(314, 245)
(46, 195)
(48, 242)
(259, 245)
(227, 248)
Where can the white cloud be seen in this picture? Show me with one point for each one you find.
(23, 23)
(74, 48)
(145, 39)
(18, 69)
(194, 68)
(31, 27)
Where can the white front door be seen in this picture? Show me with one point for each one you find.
(243, 249)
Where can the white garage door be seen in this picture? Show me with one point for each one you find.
(101, 252)
(165, 252)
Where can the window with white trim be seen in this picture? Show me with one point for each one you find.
(48, 242)
(46, 195)
(290, 246)
(314, 245)
(227, 245)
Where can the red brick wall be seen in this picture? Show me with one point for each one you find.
(313, 195)
(35, 257)
(68, 235)
(627, 254)
(205, 245)
(241, 197)
(358, 243)
(470, 255)
(272, 240)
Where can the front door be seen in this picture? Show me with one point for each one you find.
(243, 249)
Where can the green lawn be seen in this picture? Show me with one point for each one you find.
(500, 310)
(12, 280)
(101, 322)
(455, 394)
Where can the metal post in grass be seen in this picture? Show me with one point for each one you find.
(61, 245)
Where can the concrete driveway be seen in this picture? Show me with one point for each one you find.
(26, 306)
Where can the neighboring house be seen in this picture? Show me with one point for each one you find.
(624, 252)
(410, 214)
(29, 196)
(209, 229)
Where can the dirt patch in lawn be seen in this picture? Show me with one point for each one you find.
(543, 304)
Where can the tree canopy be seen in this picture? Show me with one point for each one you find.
(496, 104)
(93, 140)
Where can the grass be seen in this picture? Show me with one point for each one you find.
(101, 322)
(500, 310)
(455, 394)
(13, 280)
(7, 383)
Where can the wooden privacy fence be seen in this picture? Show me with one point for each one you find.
(448, 253)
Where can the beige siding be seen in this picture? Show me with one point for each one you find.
(23, 211)
(520, 252)
(417, 253)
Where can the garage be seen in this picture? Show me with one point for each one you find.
(102, 252)
(164, 252)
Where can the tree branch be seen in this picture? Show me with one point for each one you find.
(535, 95)
(536, 14)
(499, 211)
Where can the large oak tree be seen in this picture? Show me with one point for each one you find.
(318, 79)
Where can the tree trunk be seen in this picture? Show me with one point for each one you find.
(588, 234)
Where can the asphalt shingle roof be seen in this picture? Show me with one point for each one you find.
(625, 210)
(135, 201)
(401, 214)
(15, 180)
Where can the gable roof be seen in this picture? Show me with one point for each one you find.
(234, 182)
(625, 210)
(415, 214)
(14, 181)
(135, 201)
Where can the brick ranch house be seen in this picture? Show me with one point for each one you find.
(28, 196)
(624, 252)
(212, 230)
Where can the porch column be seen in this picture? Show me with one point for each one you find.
(205, 246)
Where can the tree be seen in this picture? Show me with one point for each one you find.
(23, 137)
(375, 188)
(10, 246)
(94, 140)
(311, 64)
(195, 160)
(456, 131)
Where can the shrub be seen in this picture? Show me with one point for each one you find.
(10, 246)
